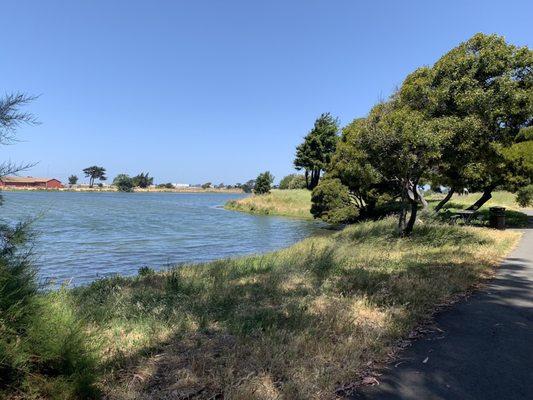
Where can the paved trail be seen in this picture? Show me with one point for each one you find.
(487, 349)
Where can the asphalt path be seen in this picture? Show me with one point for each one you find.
(484, 349)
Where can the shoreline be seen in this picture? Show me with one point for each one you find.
(293, 203)
(114, 190)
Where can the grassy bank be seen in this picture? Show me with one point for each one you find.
(289, 203)
(297, 203)
(294, 324)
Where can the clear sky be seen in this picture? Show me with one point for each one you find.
(219, 90)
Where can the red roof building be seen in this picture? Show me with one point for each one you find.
(30, 182)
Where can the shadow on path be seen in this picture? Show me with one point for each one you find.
(484, 349)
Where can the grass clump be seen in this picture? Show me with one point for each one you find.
(289, 203)
(296, 323)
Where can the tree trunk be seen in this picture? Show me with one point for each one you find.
(487, 195)
(315, 177)
(412, 219)
(402, 219)
(445, 199)
(307, 179)
(91, 182)
(402, 216)
(370, 209)
(421, 198)
(411, 195)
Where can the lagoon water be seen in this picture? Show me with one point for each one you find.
(83, 236)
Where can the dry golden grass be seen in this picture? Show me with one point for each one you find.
(289, 203)
(295, 324)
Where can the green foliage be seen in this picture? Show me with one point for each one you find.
(142, 180)
(207, 185)
(18, 289)
(72, 180)
(263, 183)
(58, 340)
(481, 93)
(332, 203)
(43, 344)
(123, 183)
(524, 134)
(524, 196)
(292, 181)
(314, 154)
(93, 173)
(248, 187)
(143, 271)
(165, 186)
(463, 122)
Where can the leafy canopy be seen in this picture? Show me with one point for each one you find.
(293, 181)
(95, 172)
(263, 183)
(142, 180)
(314, 154)
(123, 183)
(72, 179)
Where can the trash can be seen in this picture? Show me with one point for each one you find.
(497, 217)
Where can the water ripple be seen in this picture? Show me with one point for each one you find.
(85, 236)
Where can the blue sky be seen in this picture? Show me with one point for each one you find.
(196, 91)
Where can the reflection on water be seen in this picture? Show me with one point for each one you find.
(82, 236)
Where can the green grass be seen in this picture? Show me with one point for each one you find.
(296, 324)
(289, 203)
(513, 215)
(500, 198)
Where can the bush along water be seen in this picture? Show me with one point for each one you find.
(44, 348)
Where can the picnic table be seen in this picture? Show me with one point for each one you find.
(465, 215)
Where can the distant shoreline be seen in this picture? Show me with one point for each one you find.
(137, 190)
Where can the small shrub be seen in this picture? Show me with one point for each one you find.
(524, 196)
(43, 347)
(165, 186)
(331, 202)
(145, 271)
(123, 183)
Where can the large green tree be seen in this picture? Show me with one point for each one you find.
(263, 183)
(402, 147)
(482, 92)
(93, 173)
(314, 154)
